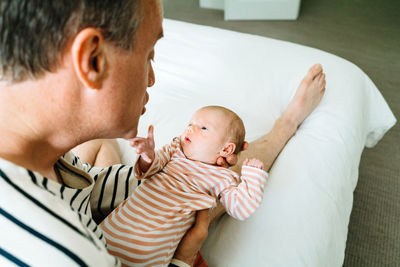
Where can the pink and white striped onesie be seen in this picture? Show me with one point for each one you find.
(147, 227)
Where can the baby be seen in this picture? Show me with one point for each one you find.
(183, 177)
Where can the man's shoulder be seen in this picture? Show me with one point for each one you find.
(38, 212)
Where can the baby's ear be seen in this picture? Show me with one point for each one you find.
(227, 150)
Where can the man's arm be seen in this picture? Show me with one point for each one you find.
(268, 147)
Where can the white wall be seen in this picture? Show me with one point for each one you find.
(255, 9)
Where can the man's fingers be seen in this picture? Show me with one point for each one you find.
(221, 162)
(228, 161)
(232, 159)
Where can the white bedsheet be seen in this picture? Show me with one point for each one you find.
(307, 202)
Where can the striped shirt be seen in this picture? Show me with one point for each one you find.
(147, 227)
(44, 223)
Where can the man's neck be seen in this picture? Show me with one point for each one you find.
(30, 136)
(39, 157)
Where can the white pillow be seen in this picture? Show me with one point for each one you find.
(308, 199)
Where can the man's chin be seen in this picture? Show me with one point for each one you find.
(131, 134)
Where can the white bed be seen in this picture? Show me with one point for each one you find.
(308, 199)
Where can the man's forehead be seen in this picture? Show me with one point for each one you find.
(155, 8)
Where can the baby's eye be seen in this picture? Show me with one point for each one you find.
(204, 128)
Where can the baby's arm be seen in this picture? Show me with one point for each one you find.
(151, 161)
(145, 148)
(242, 200)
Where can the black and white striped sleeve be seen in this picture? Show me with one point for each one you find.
(112, 186)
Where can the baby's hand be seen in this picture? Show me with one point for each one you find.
(254, 163)
(145, 148)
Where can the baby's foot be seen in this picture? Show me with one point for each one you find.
(308, 95)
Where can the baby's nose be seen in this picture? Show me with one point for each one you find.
(189, 129)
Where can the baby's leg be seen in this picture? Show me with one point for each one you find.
(99, 152)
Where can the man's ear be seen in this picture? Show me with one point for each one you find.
(88, 57)
(227, 150)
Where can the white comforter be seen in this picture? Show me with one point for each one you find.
(308, 199)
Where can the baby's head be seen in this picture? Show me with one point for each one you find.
(213, 131)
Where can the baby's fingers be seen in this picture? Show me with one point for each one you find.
(256, 163)
(141, 147)
(136, 141)
(150, 132)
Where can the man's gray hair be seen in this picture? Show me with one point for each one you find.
(34, 32)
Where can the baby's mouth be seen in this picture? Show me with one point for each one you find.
(187, 139)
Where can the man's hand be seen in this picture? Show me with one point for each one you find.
(145, 148)
(193, 239)
(231, 160)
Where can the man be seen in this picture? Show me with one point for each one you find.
(73, 71)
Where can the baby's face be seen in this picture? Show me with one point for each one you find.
(205, 136)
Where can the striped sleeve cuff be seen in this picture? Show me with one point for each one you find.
(255, 171)
(152, 169)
